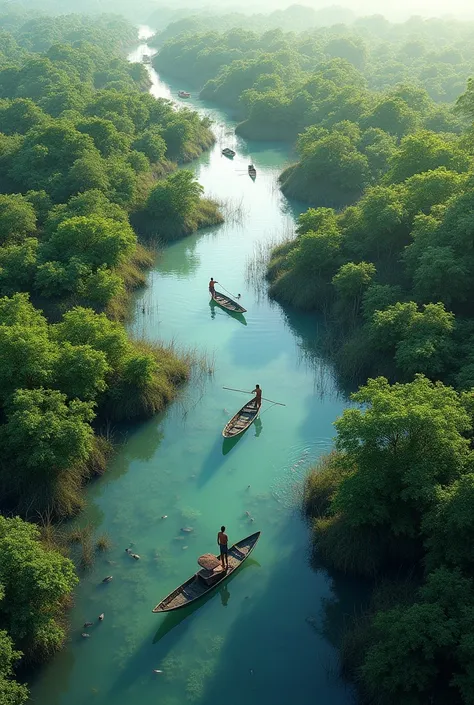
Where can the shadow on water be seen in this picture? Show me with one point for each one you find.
(260, 646)
(174, 619)
(229, 443)
(216, 310)
(212, 462)
(258, 426)
(155, 648)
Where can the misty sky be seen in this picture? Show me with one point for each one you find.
(427, 8)
(392, 9)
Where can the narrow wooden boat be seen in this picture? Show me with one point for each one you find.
(227, 152)
(184, 94)
(208, 577)
(228, 303)
(252, 171)
(242, 419)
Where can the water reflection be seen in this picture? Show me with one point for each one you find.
(217, 310)
(258, 426)
(224, 595)
(229, 443)
(174, 619)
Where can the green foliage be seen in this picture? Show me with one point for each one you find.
(422, 340)
(36, 581)
(175, 207)
(425, 151)
(97, 241)
(11, 693)
(405, 443)
(17, 219)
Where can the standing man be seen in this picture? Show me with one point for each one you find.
(212, 291)
(223, 540)
(258, 395)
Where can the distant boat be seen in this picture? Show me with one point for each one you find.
(228, 152)
(228, 303)
(210, 575)
(146, 59)
(252, 171)
(242, 419)
(184, 94)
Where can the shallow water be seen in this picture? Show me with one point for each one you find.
(267, 635)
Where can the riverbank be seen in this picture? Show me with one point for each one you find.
(174, 466)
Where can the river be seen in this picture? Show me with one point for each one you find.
(268, 635)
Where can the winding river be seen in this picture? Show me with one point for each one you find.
(268, 635)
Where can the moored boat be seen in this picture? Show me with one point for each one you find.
(241, 420)
(227, 152)
(184, 94)
(210, 575)
(146, 59)
(228, 303)
(252, 171)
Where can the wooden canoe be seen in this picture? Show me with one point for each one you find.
(242, 419)
(227, 152)
(206, 580)
(184, 94)
(252, 171)
(228, 303)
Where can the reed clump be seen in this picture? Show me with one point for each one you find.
(103, 543)
(133, 273)
(149, 380)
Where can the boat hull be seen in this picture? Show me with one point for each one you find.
(194, 589)
(241, 420)
(226, 302)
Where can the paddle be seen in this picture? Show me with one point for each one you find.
(244, 391)
(236, 296)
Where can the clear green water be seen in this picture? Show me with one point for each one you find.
(267, 635)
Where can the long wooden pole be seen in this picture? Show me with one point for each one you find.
(244, 391)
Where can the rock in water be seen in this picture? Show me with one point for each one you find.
(85, 636)
(187, 529)
(88, 624)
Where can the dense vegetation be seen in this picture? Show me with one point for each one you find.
(346, 95)
(86, 166)
(392, 274)
(395, 499)
(275, 73)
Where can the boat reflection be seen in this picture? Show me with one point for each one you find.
(229, 443)
(215, 308)
(257, 424)
(174, 619)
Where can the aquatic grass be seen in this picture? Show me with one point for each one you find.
(87, 552)
(257, 265)
(134, 275)
(359, 552)
(233, 211)
(321, 484)
(103, 543)
(132, 398)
